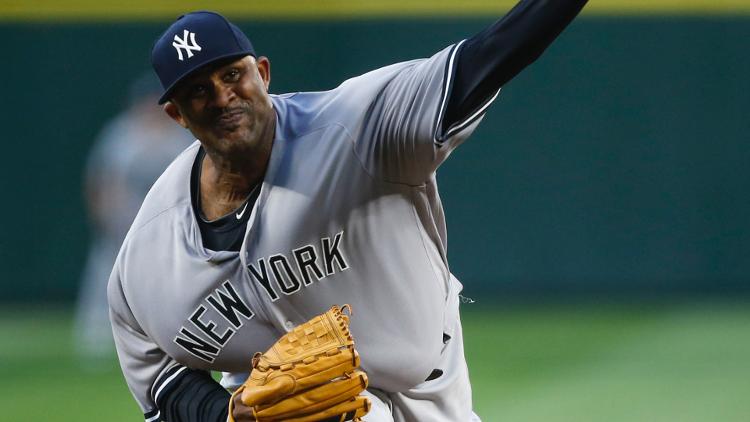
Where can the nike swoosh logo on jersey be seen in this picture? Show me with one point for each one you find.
(239, 214)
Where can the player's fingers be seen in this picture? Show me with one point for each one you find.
(315, 400)
(238, 412)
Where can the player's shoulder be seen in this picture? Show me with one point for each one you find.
(347, 103)
(303, 112)
(170, 191)
(373, 79)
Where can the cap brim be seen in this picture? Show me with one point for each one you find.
(168, 91)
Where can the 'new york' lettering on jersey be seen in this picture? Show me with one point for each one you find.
(204, 338)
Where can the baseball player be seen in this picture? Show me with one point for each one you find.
(287, 204)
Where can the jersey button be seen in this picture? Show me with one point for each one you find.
(289, 325)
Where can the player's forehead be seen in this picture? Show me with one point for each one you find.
(219, 66)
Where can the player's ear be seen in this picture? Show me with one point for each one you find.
(174, 112)
(264, 69)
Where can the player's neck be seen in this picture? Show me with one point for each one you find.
(225, 182)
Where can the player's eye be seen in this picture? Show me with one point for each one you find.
(233, 75)
(197, 91)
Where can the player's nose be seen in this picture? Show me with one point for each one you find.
(223, 95)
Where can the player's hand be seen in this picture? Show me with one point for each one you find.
(309, 375)
(240, 412)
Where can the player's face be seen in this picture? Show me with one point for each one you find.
(226, 105)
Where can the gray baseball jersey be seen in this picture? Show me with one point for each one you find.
(348, 212)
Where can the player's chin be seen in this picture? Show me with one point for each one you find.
(232, 133)
(237, 139)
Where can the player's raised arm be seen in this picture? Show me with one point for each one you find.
(486, 61)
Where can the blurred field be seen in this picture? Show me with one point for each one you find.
(561, 363)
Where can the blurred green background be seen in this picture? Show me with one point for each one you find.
(598, 216)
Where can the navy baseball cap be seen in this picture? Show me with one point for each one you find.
(193, 41)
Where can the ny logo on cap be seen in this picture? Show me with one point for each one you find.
(182, 43)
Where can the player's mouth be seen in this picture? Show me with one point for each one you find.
(230, 120)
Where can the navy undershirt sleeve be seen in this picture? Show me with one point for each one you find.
(494, 56)
(194, 397)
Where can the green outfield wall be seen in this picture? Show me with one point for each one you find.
(617, 165)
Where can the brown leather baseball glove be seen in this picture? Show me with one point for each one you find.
(309, 374)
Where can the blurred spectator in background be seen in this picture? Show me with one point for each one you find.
(131, 151)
